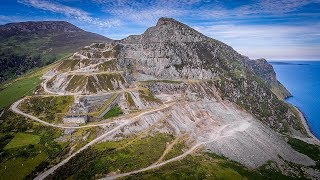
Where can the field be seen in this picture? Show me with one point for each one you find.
(125, 155)
(18, 89)
(18, 168)
(23, 86)
(22, 139)
(26, 146)
(113, 112)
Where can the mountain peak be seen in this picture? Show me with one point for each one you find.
(165, 20)
(168, 30)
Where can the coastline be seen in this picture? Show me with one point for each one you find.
(313, 138)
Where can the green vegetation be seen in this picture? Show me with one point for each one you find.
(105, 80)
(50, 108)
(17, 57)
(109, 54)
(23, 139)
(280, 91)
(207, 166)
(18, 168)
(22, 86)
(67, 64)
(129, 100)
(109, 157)
(271, 171)
(21, 51)
(113, 112)
(163, 81)
(76, 81)
(239, 73)
(18, 89)
(147, 95)
(110, 65)
(313, 151)
(254, 95)
(176, 150)
(26, 146)
(105, 105)
(5, 139)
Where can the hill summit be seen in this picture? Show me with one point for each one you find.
(38, 27)
(27, 45)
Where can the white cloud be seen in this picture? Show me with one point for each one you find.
(269, 41)
(146, 12)
(261, 7)
(146, 17)
(70, 12)
(274, 6)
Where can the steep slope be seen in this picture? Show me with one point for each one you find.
(172, 50)
(27, 45)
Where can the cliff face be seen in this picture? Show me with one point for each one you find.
(172, 50)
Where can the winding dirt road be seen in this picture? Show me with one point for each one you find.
(15, 109)
(45, 88)
(129, 121)
(223, 131)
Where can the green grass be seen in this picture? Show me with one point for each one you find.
(107, 157)
(207, 166)
(18, 168)
(129, 100)
(104, 106)
(176, 150)
(18, 89)
(113, 112)
(23, 86)
(110, 65)
(313, 151)
(25, 148)
(50, 109)
(5, 139)
(147, 96)
(22, 139)
(194, 167)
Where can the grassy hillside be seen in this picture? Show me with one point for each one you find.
(22, 86)
(24, 46)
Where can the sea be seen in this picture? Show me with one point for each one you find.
(302, 79)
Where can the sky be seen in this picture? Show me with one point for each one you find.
(271, 29)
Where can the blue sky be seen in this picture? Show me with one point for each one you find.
(273, 29)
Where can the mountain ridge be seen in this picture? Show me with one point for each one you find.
(37, 26)
(27, 45)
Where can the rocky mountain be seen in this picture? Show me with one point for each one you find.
(165, 104)
(27, 45)
(172, 50)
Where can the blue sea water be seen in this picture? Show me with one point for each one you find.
(302, 79)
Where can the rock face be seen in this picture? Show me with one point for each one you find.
(172, 50)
